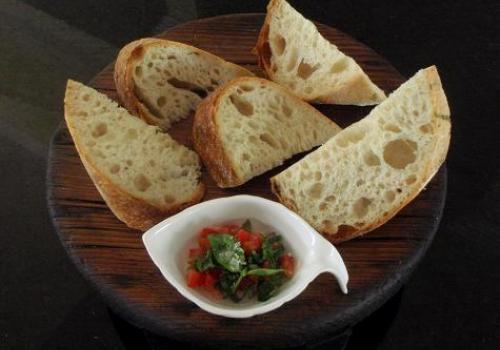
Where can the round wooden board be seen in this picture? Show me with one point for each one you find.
(113, 257)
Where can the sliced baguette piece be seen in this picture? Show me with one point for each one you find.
(369, 171)
(162, 81)
(142, 174)
(252, 125)
(293, 53)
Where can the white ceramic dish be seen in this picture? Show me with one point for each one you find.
(167, 243)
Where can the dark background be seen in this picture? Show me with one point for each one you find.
(451, 300)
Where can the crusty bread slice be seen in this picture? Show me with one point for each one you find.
(142, 173)
(163, 81)
(294, 54)
(252, 125)
(365, 174)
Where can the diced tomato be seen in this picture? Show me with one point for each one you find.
(251, 245)
(204, 244)
(208, 231)
(195, 252)
(249, 241)
(209, 280)
(230, 228)
(195, 278)
(288, 265)
(243, 235)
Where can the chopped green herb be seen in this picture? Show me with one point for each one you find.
(239, 263)
(264, 272)
(247, 225)
(227, 251)
(204, 262)
(272, 249)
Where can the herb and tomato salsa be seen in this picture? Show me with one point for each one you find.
(234, 262)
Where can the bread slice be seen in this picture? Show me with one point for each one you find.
(252, 125)
(365, 174)
(142, 173)
(294, 54)
(163, 81)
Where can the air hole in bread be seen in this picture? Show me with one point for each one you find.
(308, 90)
(152, 163)
(339, 66)
(400, 153)
(86, 97)
(426, 128)
(389, 196)
(269, 140)
(132, 134)
(360, 182)
(371, 158)
(410, 179)
(305, 70)
(91, 143)
(214, 82)
(361, 206)
(330, 199)
(392, 127)
(276, 116)
(168, 199)
(171, 57)
(216, 71)
(161, 101)
(247, 88)
(323, 206)
(350, 136)
(292, 61)
(318, 175)
(244, 107)
(129, 162)
(279, 44)
(287, 111)
(315, 190)
(252, 139)
(150, 64)
(185, 85)
(245, 157)
(138, 71)
(327, 225)
(83, 114)
(141, 183)
(114, 168)
(99, 130)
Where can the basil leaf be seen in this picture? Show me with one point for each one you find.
(227, 251)
(204, 262)
(227, 283)
(264, 272)
(272, 249)
(247, 225)
(270, 286)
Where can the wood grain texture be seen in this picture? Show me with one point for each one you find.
(112, 256)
